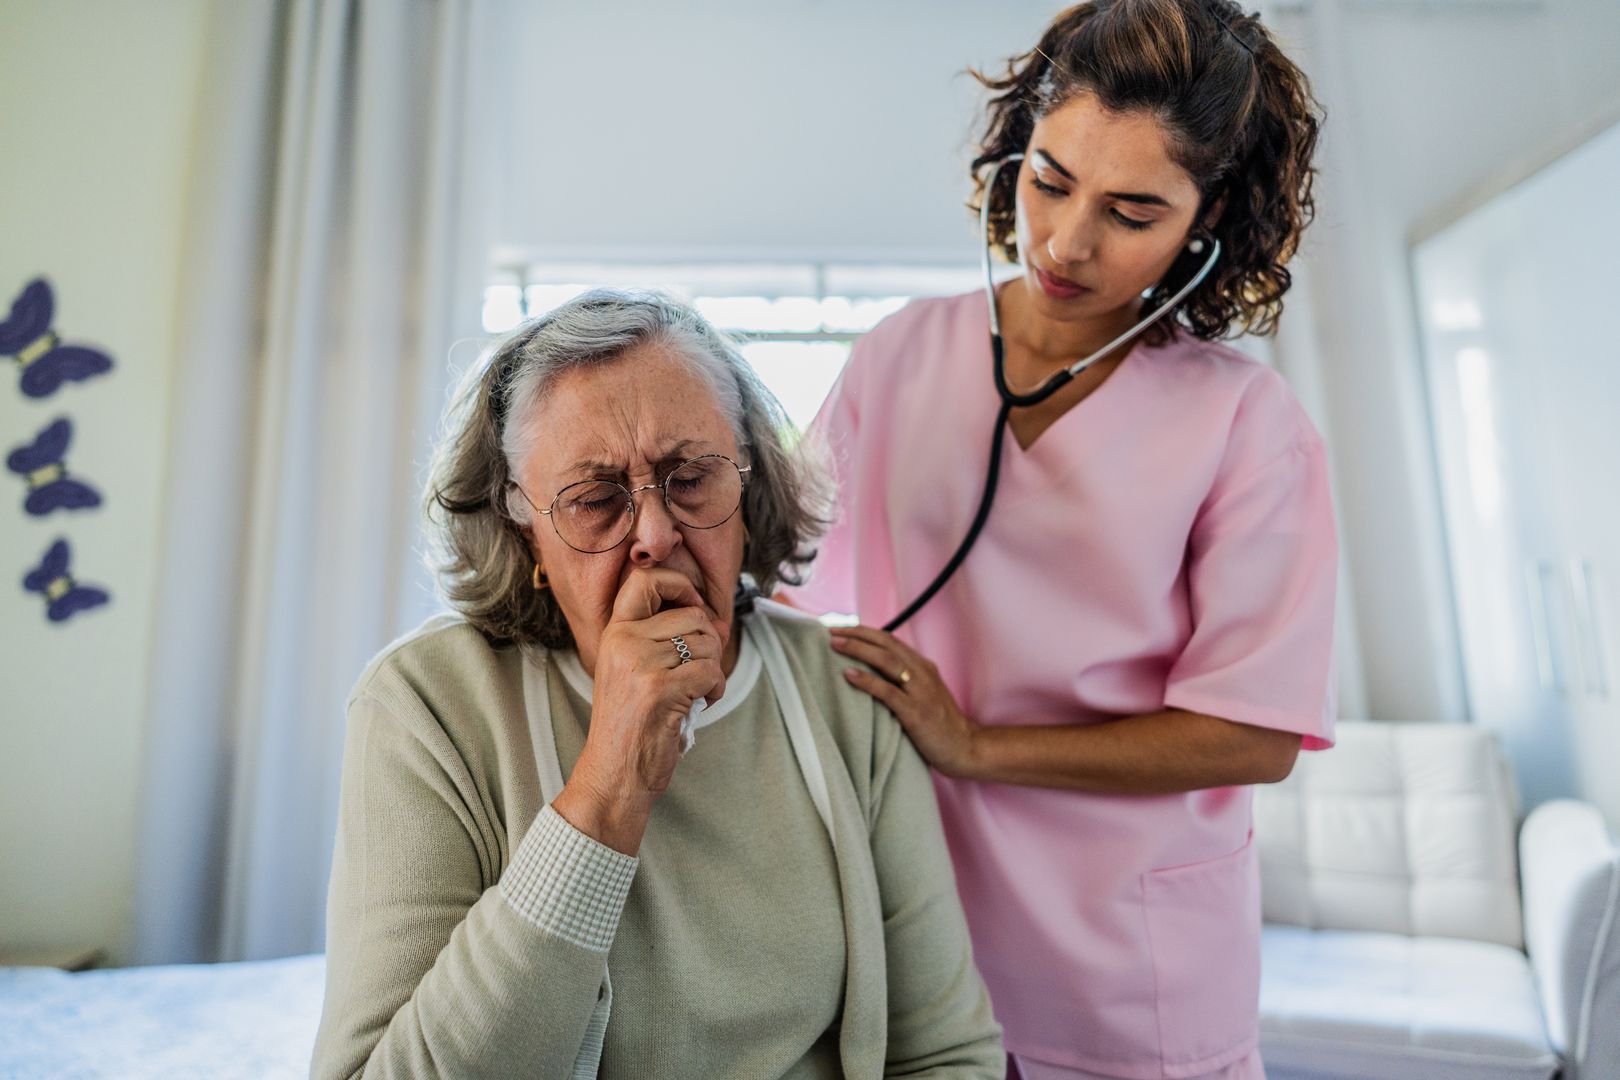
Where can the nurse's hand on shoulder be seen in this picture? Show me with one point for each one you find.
(910, 685)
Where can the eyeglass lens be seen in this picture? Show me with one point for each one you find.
(596, 515)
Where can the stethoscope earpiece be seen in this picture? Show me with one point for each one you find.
(1196, 246)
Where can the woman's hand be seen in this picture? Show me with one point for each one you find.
(912, 689)
(643, 691)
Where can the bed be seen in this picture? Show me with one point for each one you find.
(221, 1021)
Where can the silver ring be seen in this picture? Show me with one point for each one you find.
(680, 647)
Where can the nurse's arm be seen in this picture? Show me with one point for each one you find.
(1158, 753)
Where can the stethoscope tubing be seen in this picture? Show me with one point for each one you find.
(1012, 399)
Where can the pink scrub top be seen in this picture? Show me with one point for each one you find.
(1168, 542)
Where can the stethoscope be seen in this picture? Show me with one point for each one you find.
(1012, 399)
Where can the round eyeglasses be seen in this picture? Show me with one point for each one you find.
(594, 516)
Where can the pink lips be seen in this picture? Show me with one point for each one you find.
(1059, 288)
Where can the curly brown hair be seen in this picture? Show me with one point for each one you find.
(1241, 120)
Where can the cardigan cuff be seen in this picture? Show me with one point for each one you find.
(568, 885)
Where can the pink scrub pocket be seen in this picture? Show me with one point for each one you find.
(1203, 922)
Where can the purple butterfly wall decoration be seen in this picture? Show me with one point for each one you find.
(42, 465)
(46, 363)
(64, 597)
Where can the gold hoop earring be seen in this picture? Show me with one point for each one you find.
(539, 579)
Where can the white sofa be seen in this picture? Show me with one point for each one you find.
(1414, 930)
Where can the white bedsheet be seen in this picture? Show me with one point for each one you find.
(222, 1021)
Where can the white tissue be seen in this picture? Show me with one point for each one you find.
(688, 729)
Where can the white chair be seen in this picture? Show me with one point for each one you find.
(1403, 937)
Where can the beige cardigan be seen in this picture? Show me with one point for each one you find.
(455, 949)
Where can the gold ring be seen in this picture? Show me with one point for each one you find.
(904, 676)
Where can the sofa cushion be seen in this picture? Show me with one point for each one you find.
(1367, 1005)
(1401, 828)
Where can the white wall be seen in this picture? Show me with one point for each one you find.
(96, 106)
(802, 128)
(1427, 103)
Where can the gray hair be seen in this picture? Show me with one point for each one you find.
(481, 525)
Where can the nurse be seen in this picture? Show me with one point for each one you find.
(1143, 629)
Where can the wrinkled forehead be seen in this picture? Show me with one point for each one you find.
(646, 409)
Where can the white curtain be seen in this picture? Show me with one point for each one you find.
(341, 216)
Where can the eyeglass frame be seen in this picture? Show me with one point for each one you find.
(742, 475)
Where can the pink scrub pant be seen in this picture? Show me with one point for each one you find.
(1018, 1068)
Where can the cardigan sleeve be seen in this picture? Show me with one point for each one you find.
(433, 969)
(940, 1022)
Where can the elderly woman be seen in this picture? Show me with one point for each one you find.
(619, 817)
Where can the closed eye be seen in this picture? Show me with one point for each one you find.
(1051, 191)
(1130, 222)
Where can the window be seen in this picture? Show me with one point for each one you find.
(797, 321)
